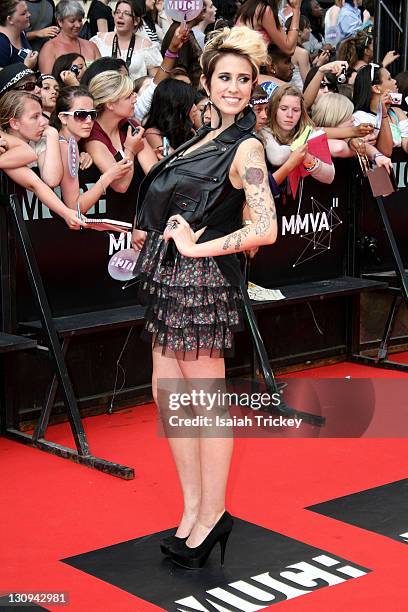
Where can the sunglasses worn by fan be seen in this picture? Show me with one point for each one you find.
(81, 115)
(29, 86)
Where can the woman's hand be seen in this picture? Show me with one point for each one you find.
(117, 171)
(69, 78)
(180, 231)
(386, 101)
(134, 143)
(364, 129)
(309, 158)
(389, 57)
(180, 37)
(31, 59)
(50, 132)
(336, 67)
(383, 160)
(138, 239)
(72, 220)
(358, 145)
(85, 160)
(159, 152)
(322, 58)
(49, 32)
(3, 145)
(298, 156)
(370, 138)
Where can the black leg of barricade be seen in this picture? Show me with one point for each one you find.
(399, 266)
(41, 427)
(389, 326)
(270, 381)
(381, 360)
(254, 360)
(82, 455)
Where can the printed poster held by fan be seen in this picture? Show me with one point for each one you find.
(183, 10)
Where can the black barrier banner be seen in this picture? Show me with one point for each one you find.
(74, 265)
(374, 249)
(311, 245)
(312, 238)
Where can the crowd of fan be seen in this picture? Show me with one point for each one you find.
(82, 87)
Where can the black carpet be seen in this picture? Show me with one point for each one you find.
(255, 559)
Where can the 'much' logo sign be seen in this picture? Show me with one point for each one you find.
(262, 567)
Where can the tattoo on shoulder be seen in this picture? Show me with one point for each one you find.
(256, 156)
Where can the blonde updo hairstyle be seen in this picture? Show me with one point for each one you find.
(108, 87)
(331, 110)
(241, 41)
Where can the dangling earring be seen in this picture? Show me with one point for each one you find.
(217, 110)
(240, 119)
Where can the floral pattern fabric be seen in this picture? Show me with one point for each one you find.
(192, 309)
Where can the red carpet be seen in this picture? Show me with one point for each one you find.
(52, 509)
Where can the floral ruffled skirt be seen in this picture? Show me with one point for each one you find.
(192, 310)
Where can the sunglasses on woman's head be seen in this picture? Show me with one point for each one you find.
(330, 86)
(30, 86)
(372, 70)
(81, 115)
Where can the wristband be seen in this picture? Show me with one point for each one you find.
(311, 163)
(171, 54)
(161, 67)
(378, 155)
(309, 167)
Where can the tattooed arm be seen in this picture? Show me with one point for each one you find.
(248, 171)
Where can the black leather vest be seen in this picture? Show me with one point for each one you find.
(195, 185)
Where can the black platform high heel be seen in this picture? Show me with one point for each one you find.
(194, 558)
(170, 542)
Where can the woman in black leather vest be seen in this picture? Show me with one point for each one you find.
(191, 207)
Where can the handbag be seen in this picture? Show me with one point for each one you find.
(381, 181)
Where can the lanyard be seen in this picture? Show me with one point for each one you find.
(129, 53)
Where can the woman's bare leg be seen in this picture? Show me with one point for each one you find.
(185, 451)
(214, 457)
